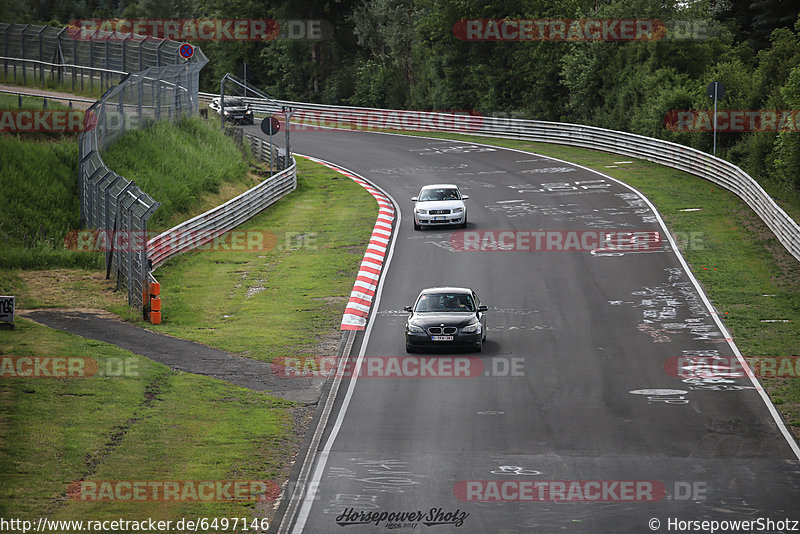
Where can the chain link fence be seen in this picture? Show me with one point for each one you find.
(78, 59)
(153, 82)
(111, 202)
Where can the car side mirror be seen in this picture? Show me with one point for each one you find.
(408, 308)
(483, 308)
(414, 199)
(464, 197)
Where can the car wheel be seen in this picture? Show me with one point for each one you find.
(479, 346)
(416, 226)
(464, 224)
(409, 348)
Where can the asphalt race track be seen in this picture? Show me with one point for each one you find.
(561, 403)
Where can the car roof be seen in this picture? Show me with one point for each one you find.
(437, 186)
(446, 289)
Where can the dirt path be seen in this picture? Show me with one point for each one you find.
(178, 354)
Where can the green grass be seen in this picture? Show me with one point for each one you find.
(153, 424)
(94, 91)
(162, 425)
(177, 164)
(28, 102)
(39, 195)
(39, 184)
(285, 300)
(725, 235)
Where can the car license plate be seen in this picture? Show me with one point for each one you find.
(439, 218)
(441, 338)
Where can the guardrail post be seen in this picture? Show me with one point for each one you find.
(143, 253)
(90, 200)
(106, 196)
(104, 76)
(122, 111)
(22, 53)
(131, 273)
(60, 56)
(139, 50)
(75, 63)
(124, 53)
(91, 63)
(82, 181)
(5, 55)
(158, 52)
(41, 56)
(222, 102)
(157, 96)
(139, 98)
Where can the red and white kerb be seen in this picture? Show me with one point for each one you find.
(355, 315)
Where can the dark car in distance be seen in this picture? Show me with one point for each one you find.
(446, 317)
(236, 110)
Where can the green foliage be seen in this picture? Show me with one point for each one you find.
(39, 195)
(404, 54)
(176, 164)
(787, 144)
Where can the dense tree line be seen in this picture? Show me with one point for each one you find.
(404, 54)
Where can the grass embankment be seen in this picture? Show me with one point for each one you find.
(39, 195)
(755, 279)
(287, 298)
(178, 166)
(39, 184)
(161, 425)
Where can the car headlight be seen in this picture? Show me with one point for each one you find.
(416, 329)
(421, 211)
(470, 328)
(458, 210)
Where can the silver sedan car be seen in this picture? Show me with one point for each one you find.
(439, 204)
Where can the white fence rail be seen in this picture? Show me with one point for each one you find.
(684, 158)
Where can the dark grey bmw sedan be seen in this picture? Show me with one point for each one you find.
(446, 317)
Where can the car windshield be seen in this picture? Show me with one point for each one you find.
(234, 102)
(427, 195)
(445, 302)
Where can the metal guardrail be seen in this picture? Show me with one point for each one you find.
(205, 227)
(46, 97)
(684, 158)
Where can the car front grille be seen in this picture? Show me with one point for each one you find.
(439, 212)
(437, 330)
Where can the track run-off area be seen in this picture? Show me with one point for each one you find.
(574, 418)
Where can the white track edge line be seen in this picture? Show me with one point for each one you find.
(322, 458)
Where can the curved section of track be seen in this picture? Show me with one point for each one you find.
(573, 385)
